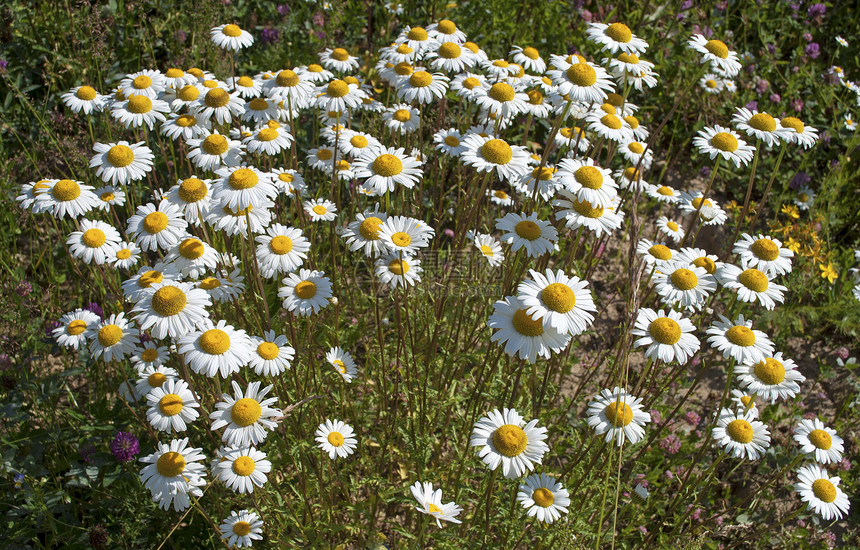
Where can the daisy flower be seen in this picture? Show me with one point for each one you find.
(150, 378)
(588, 182)
(467, 84)
(289, 182)
(400, 118)
(239, 187)
(220, 104)
(668, 335)
(241, 529)
(112, 338)
(655, 254)
(260, 110)
(486, 154)
(422, 87)
(736, 339)
(320, 210)
(364, 232)
(543, 497)
(138, 110)
(630, 178)
(538, 106)
(634, 152)
(526, 231)
(291, 87)
(741, 435)
(110, 195)
(95, 242)
(182, 96)
(343, 363)
(724, 142)
(306, 292)
(446, 30)
(507, 441)
(337, 95)
(450, 57)
(247, 417)
(751, 285)
(401, 234)
(354, 144)
(745, 402)
(72, 331)
(147, 82)
(822, 492)
(804, 198)
(709, 212)
(137, 285)
(490, 249)
(149, 355)
(626, 63)
(670, 228)
(501, 98)
(66, 197)
(529, 58)
(121, 163)
(338, 60)
(224, 289)
(153, 227)
(712, 84)
(272, 354)
(717, 54)
(818, 440)
(172, 406)
(336, 438)
(430, 503)
(84, 99)
(246, 86)
(684, 284)
(315, 73)
(799, 132)
(581, 81)
(619, 415)
(759, 125)
(523, 335)
(172, 473)
(396, 269)
(609, 126)
(210, 152)
(563, 303)
(281, 250)
(215, 348)
(581, 213)
(185, 126)
(234, 222)
(771, 378)
(663, 193)
(497, 196)
(243, 468)
(230, 37)
(416, 38)
(382, 169)
(320, 158)
(192, 195)
(171, 308)
(615, 38)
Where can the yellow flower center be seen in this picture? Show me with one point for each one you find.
(420, 79)
(148, 278)
(672, 225)
(684, 279)
(214, 341)
(452, 141)
(109, 335)
(471, 46)
(765, 249)
(711, 83)
(245, 81)
(433, 509)
(582, 74)
(358, 141)
(402, 115)
(531, 52)
(287, 78)
(497, 151)
(824, 490)
(149, 355)
(741, 335)
(660, 251)
(501, 92)
(740, 430)
(87, 93)
(449, 50)
(446, 26)
(589, 176)
(94, 238)
(471, 83)
(619, 414)
(794, 123)
(216, 97)
(666, 191)
(155, 222)
(404, 49)
(142, 82)
(324, 154)
(315, 68)
(168, 300)
(618, 32)
(543, 174)
(558, 297)
(189, 92)
(339, 54)
(192, 190)
(725, 141)
(535, 97)
(770, 371)
(191, 249)
(500, 194)
(281, 245)
(820, 439)
(209, 283)
(632, 121)
(754, 280)
(243, 178)
(319, 210)
(268, 351)
(170, 404)
(232, 30)
(243, 466)
(608, 108)
(486, 250)
(417, 33)
(336, 439)
(398, 267)
(636, 147)
(245, 412)
(369, 228)
(306, 290)
(120, 155)
(196, 72)
(510, 440)
(170, 464)
(401, 239)
(216, 144)
(543, 497)
(718, 48)
(630, 58)
(585, 208)
(501, 63)
(76, 327)
(525, 325)
(611, 121)
(156, 379)
(258, 104)
(665, 330)
(387, 165)
(337, 88)
(763, 122)
(241, 528)
(286, 177)
(631, 173)
(183, 121)
(139, 104)
(267, 134)
(528, 230)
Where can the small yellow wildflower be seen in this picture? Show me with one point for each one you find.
(790, 210)
(828, 272)
(793, 245)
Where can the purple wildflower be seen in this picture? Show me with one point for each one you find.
(124, 446)
(799, 180)
(49, 328)
(180, 36)
(319, 19)
(95, 308)
(843, 353)
(774, 98)
(88, 452)
(762, 85)
(807, 36)
(656, 417)
(269, 36)
(693, 418)
(671, 444)
(817, 10)
(283, 9)
(797, 104)
(752, 105)
(813, 50)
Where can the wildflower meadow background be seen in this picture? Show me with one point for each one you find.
(485, 274)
